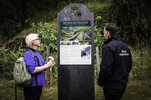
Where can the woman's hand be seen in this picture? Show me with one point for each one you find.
(50, 58)
(49, 63)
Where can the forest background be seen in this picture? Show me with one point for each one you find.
(21, 17)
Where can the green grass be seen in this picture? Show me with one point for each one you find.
(136, 90)
(100, 9)
(46, 93)
(97, 5)
(7, 90)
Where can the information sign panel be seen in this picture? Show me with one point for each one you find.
(75, 42)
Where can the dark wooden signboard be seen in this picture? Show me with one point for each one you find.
(75, 53)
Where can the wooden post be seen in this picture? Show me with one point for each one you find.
(51, 83)
(46, 73)
(47, 55)
(98, 60)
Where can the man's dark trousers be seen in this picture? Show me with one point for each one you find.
(113, 94)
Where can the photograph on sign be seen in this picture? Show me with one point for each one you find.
(76, 33)
(75, 42)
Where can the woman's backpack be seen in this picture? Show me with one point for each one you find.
(22, 76)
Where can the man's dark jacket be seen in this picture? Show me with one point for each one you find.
(116, 64)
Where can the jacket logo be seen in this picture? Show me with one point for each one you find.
(123, 53)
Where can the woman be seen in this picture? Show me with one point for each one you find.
(36, 67)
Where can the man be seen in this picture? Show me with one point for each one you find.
(34, 90)
(115, 66)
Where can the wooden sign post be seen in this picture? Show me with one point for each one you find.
(75, 53)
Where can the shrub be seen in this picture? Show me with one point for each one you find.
(7, 59)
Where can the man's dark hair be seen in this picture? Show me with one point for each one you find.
(112, 28)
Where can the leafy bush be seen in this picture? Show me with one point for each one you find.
(47, 34)
(7, 59)
(133, 18)
(98, 32)
(141, 64)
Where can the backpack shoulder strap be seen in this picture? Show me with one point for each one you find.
(35, 57)
(33, 54)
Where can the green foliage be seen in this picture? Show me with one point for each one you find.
(98, 32)
(7, 59)
(97, 6)
(47, 34)
(19, 14)
(133, 19)
(141, 64)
